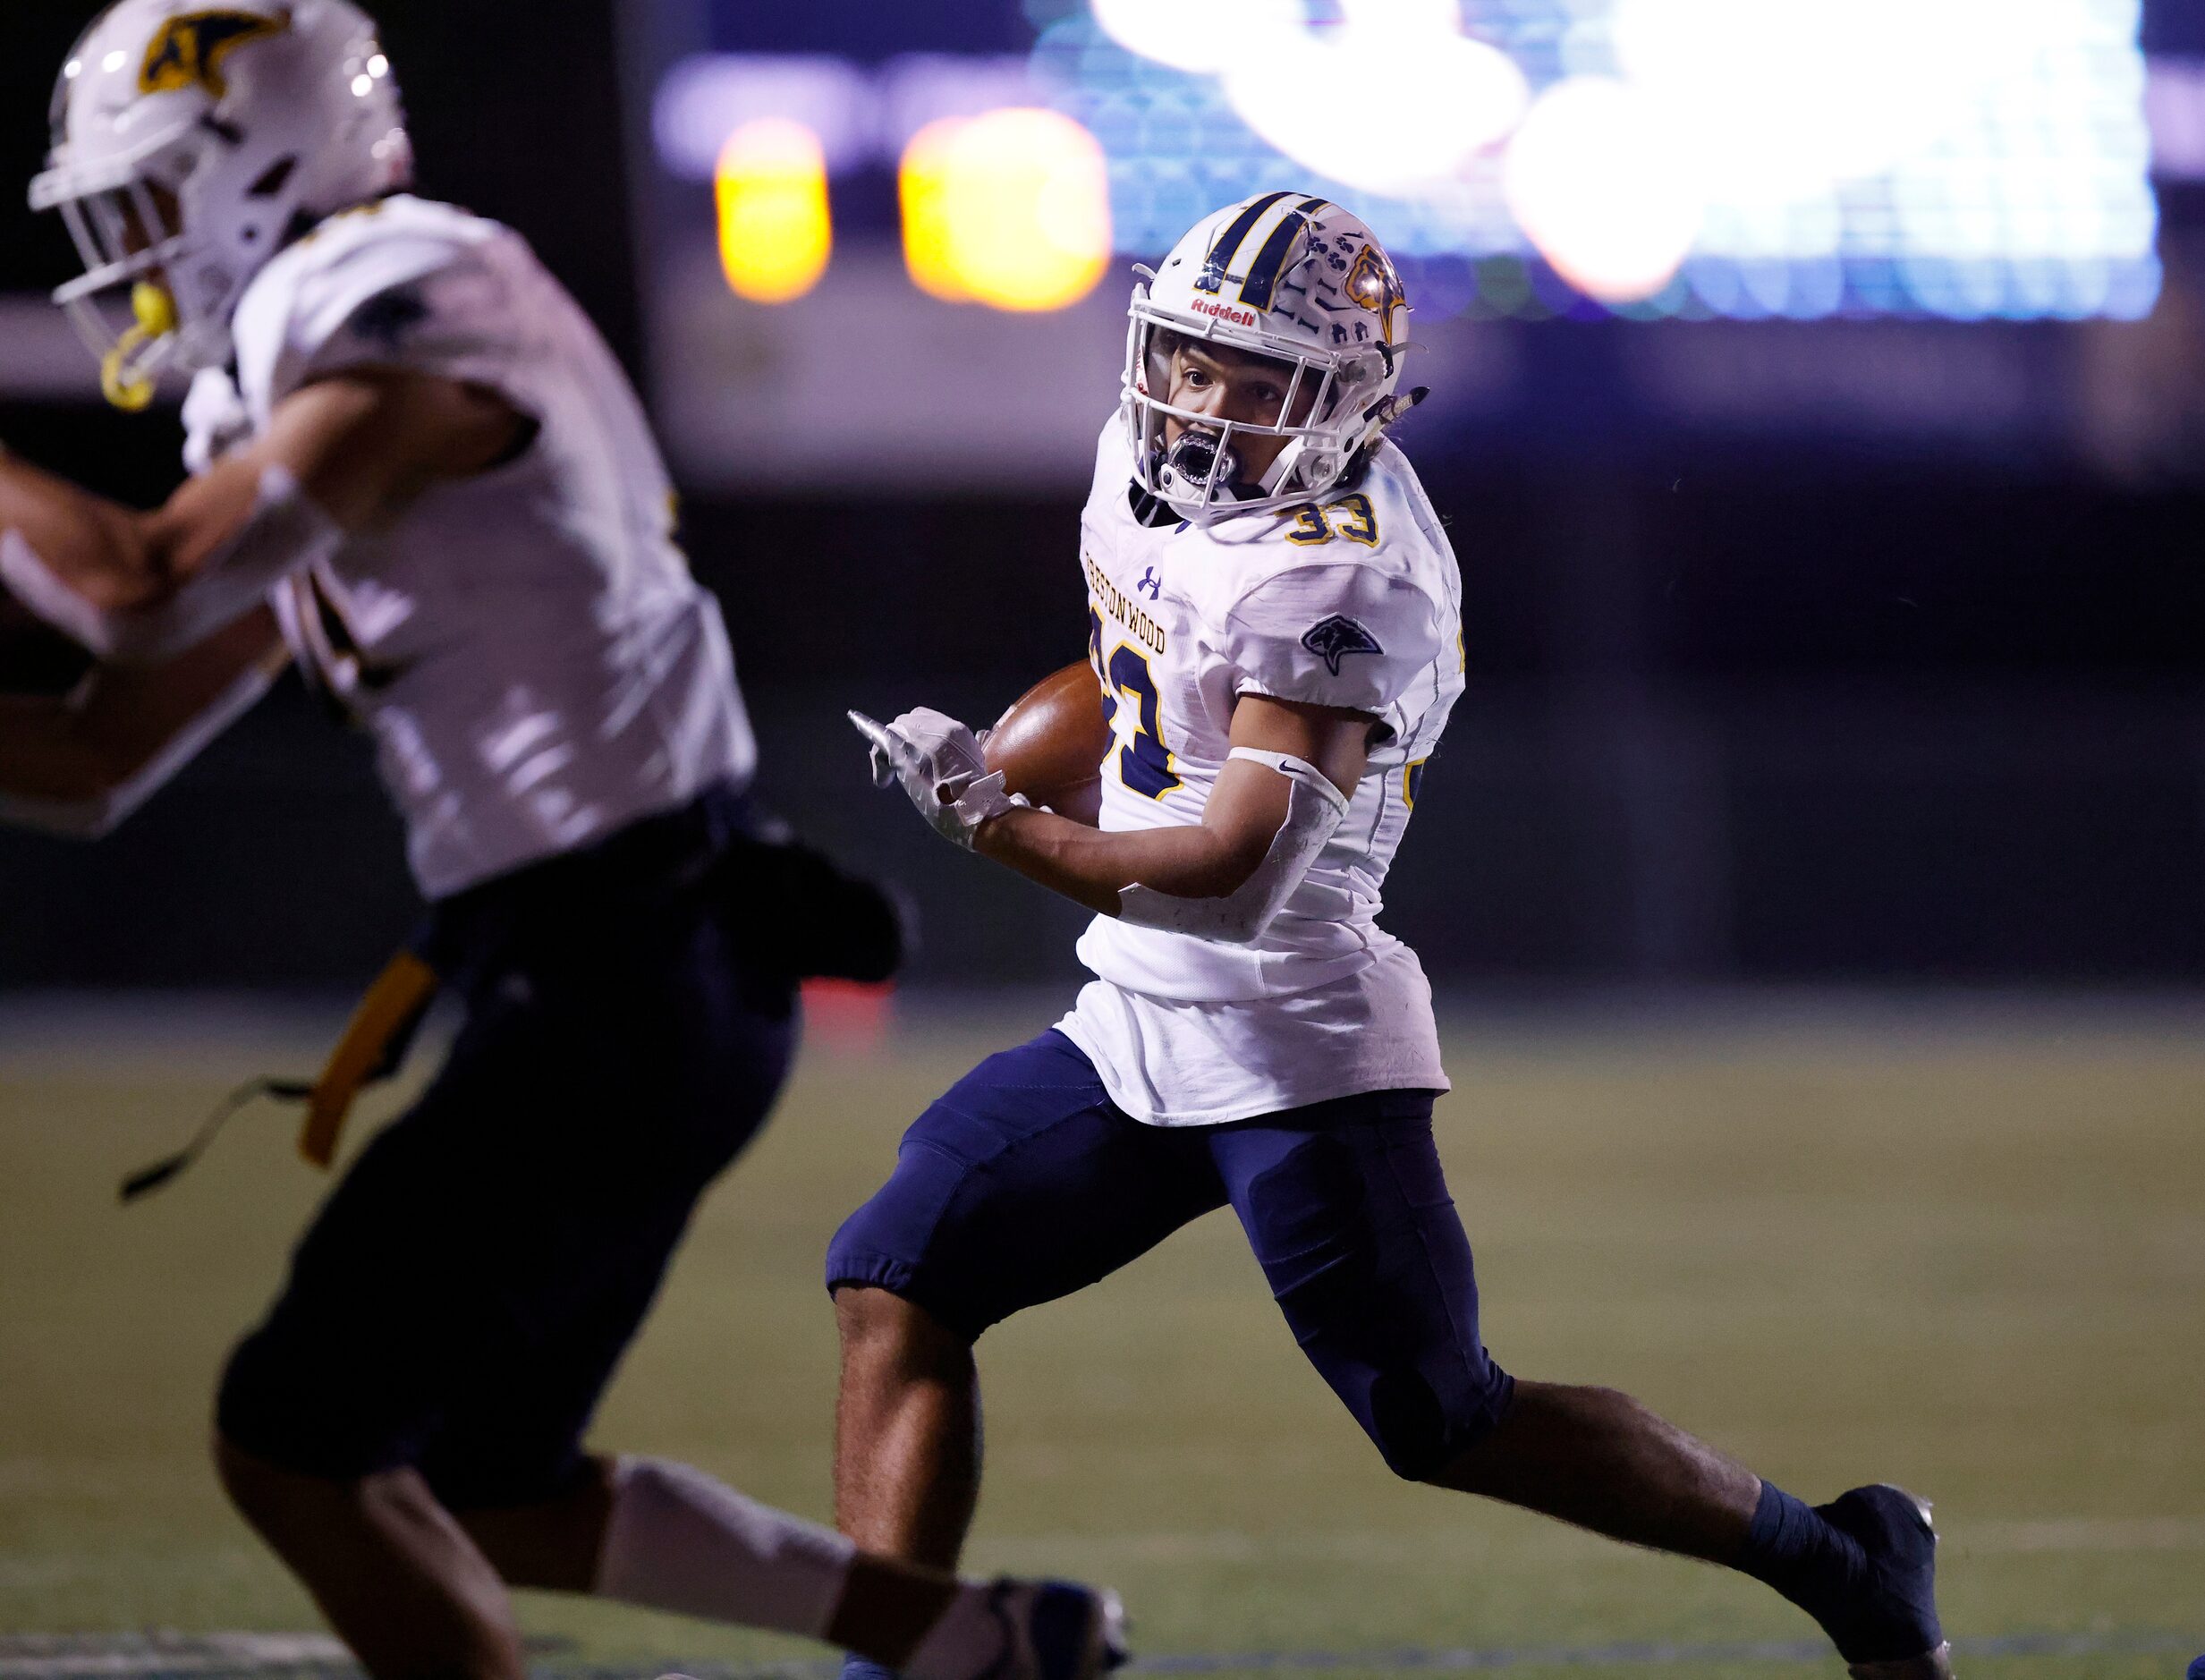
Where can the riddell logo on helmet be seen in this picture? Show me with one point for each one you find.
(1225, 312)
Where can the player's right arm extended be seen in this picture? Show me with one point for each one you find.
(1276, 803)
(77, 764)
(341, 457)
(1277, 799)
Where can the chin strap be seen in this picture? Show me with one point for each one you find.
(125, 378)
(1386, 410)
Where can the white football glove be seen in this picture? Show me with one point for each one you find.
(938, 760)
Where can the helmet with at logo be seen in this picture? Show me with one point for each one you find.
(191, 143)
(1287, 276)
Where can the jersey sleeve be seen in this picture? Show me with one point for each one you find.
(1341, 634)
(415, 299)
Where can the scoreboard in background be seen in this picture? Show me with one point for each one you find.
(906, 201)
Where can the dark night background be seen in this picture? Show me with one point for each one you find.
(1781, 708)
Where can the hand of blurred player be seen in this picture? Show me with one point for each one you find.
(937, 761)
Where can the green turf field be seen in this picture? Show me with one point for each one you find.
(1964, 1252)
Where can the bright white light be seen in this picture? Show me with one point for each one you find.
(1786, 94)
(112, 62)
(1202, 40)
(1601, 184)
(379, 66)
(1411, 20)
(2175, 103)
(919, 89)
(1437, 98)
(706, 98)
(362, 86)
(73, 70)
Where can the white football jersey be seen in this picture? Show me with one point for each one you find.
(1352, 602)
(526, 646)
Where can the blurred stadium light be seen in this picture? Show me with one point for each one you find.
(1596, 178)
(776, 232)
(918, 88)
(1889, 164)
(1158, 29)
(1966, 160)
(863, 115)
(1010, 209)
(1445, 96)
(704, 98)
(1956, 160)
(2174, 106)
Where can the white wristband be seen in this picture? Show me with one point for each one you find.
(285, 530)
(1314, 811)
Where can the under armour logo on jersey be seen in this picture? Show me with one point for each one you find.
(190, 49)
(1151, 582)
(1336, 638)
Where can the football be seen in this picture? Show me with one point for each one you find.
(1051, 744)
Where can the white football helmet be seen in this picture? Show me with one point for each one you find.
(1286, 275)
(191, 144)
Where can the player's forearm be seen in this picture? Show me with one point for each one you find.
(92, 546)
(44, 751)
(84, 750)
(1091, 866)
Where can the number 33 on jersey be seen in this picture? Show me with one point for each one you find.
(1353, 602)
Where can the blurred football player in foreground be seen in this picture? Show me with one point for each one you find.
(1275, 621)
(418, 472)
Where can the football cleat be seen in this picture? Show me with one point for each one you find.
(1893, 1635)
(1056, 1630)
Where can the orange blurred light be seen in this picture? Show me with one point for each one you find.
(1599, 180)
(775, 231)
(1011, 208)
(922, 189)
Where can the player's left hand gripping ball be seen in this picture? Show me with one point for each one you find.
(937, 761)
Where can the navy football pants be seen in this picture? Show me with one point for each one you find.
(1025, 1183)
(465, 1293)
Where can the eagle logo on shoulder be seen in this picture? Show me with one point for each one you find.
(1332, 640)
(188, 49)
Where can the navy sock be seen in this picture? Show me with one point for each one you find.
(1795, 1551)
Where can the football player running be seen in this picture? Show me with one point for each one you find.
(418, 472)
(1274, 620)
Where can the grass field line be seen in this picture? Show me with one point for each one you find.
(208, 1656)
(86, 1655)
(2082, 1534)
(2017, 1537)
